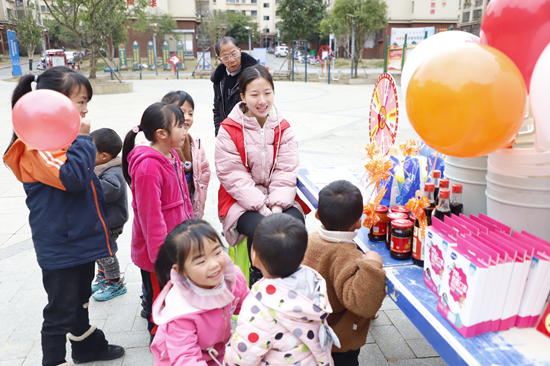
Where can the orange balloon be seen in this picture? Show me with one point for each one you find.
(467, 101)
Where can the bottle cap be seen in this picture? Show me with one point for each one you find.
(444, 183)
(402, 209)
(429, 187)
(444, 193)
(457, 188)
(402, 224)
(381, 209)
(437, 173)
(397, 216)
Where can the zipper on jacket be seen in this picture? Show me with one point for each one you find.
(223, 101)
(181, 188)
(224, 321)
(263, 154)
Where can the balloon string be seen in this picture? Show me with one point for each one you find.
(433, 167)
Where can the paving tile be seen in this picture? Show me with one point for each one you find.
(130, 339)
(141, 356)
(17, 362)
(121, 318)
(422, 348)
(370, 339)
(26, 333)
(391, 343)
(403, 324)
(35, 355)
(381, 320)
(371, 355)
(139, 323)
(15, 351)
(8, 290)
(388, 304)
(435, 361)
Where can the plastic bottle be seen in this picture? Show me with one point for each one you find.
(429, 189)
(444, 206)
(456, 199)
(436, 177)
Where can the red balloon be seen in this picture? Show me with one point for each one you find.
(518, 28)
(46, 120)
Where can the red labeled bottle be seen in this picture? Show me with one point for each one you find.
(443, 208)
(393, 216)
(418, 242)
(379, 230)
(401, 239)
(456, 199)
(429, 189)
(436, 177)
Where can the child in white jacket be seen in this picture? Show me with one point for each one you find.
(283, 319)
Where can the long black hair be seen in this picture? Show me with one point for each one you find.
(252, 73)
(60, 78)
(186, 238)
(178, 97)
(156, 116)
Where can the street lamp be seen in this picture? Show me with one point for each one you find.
(265, 38)
(154, 25)
(352, 41)
(249, 43)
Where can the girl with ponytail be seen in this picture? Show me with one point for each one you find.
(160, 194)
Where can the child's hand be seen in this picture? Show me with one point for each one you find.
(373, 256)
(85, 126)
(264, 211)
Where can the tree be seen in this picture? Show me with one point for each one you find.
(301, 19)
(94, 21)
(237, 23)
(58, 32)
(368, 15)
(29, 32)
(165, 25)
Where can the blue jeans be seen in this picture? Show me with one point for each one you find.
(110, 265)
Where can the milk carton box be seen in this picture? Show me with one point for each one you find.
(506, 263)
(482, 228)
(436, 242)
(463, 285)
(539, 305)
(537, 282)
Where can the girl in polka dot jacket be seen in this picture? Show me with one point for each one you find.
(202, 289)
(283, 320)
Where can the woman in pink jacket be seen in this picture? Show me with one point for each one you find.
(192, 154)
(256, 161)
(161, 199)
(203, 289)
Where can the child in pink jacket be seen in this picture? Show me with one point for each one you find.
(203, 288)
(283, 320)
(161, 198)
(192, 154)
(257, 176)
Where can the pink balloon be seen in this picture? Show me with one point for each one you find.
(46, 120)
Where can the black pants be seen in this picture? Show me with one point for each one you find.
(250, 219)
(349, 358)
(152, 290)
(69, 292)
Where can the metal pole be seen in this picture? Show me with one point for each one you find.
(249, 44)
(328, 70)
(404, 51)
(305, 77)
(352, 45)
(292, 57)
(386, 54)
(155, 50)
(177, 73)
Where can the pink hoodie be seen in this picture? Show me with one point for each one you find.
(201, 175)
(161, 201)
(194, 327)
(265, 184)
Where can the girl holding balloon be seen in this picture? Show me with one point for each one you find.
(156, 177)
(67, 208)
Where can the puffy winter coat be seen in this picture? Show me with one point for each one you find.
(114, 186)
(201, 175)
(283, 322)
(265, 184)
(161, 201)
(67, 206)
(194, 328)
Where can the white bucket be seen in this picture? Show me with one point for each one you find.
(523, 203)
(471, 173)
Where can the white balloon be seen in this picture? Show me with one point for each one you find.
(540, 96)
(425, 49)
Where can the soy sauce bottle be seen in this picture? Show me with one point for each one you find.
(444, 207)
(456, 199)
(436, 177)
(429, 189)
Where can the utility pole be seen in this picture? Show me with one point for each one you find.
(154, 25)
(249, 43)
(352, 41)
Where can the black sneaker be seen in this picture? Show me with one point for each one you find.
(112, 352)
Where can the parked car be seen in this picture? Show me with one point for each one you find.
(281, 51)
(73, 57)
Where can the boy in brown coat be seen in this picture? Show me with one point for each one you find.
(355, 281)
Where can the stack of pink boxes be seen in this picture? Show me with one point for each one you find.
(486, 278)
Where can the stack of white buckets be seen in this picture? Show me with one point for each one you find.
(510, 185)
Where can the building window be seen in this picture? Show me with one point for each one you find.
(266, 5)
(476, 15)
(230, 1)
(266, 17)
(253, 13)
(277, 25)
(253, 1)
(276, 13)
(478, 3)
(277, 1)
(44, 8)
(465, 17)
(382, 35)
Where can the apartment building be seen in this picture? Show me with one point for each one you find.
(8, 9)
(470, 15)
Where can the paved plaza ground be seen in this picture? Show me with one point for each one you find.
(331, 124)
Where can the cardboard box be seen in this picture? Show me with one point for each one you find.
(482, 228)
(439, 237)
(541, 301)
(463, 286)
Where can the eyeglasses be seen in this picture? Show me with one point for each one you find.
(229, 57)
